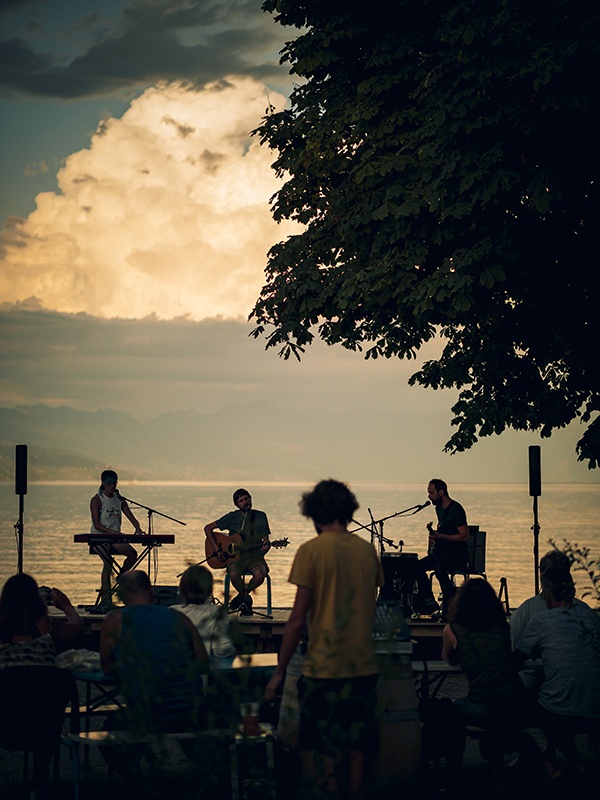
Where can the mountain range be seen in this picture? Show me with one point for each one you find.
(263, 442)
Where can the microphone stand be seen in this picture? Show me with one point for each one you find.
(150, 511)
(375, 534)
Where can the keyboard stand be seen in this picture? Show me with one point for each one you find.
(107, 557)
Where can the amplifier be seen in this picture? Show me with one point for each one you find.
(166, 595)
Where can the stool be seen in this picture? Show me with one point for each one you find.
(227, 585)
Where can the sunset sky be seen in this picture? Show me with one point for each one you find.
(135, 218)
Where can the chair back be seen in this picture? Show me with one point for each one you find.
(476, 548)
(33, 701)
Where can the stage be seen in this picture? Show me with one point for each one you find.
(260, 634)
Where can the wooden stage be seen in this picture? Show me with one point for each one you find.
(259, 634)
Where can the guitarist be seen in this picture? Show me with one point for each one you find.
(252, 526)
(447, 551)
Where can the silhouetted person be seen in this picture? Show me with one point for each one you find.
(252, 526)
(447, 548)
(566, 637)
(477, 637)
(107, 508)
(27, 631)
(195, 588)
(521, 616)
(337, 575)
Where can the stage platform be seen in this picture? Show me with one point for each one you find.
(263, 635)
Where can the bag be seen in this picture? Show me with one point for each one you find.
(82, 660)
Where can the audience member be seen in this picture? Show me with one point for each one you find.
(27, 631)
(532, 677)
(33, 691)
(566, 637)
(337, 575)
(158, 654)
(478, 638)
(528, 608)
(195, 588)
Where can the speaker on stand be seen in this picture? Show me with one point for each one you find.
(535, 490)
(21, 490)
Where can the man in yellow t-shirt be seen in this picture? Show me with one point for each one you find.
(337, 575)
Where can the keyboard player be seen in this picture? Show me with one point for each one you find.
(107, 509)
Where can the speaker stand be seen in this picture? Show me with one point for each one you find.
(536, 545)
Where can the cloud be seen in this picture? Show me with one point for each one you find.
(151, 366)
(150, 40)
(34, 168)
(166, 212)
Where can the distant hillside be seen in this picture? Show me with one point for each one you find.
(277, 445)
(262, 442)
(48, 464)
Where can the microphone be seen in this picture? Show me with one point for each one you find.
(423, 505)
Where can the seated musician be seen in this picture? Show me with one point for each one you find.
(253, 528)
(107, 508)
(447, 548)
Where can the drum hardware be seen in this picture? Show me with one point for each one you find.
(400, 576)
(375, 527)
(399, 582)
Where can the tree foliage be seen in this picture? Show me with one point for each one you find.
(442, 158)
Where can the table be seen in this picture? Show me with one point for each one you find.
(247, 672)
(433, 675)
(107, 690)
(257, 662)
(107, 687)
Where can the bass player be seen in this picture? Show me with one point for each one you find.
(447, 551)
(252, 526)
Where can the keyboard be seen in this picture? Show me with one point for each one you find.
(121, 538)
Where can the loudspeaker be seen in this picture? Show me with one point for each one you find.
(166, 595)
(21, 469)
(535, 471)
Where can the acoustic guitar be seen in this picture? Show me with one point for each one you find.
(229, 545)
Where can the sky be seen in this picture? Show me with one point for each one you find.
(135, 225)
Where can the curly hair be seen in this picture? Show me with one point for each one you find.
(21, 607)
(329, 501)
(477, 606)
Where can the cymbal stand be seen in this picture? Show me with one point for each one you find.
(376, 527)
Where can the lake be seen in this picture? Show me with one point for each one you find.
(53, 513)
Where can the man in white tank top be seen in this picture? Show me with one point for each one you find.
(107, 508)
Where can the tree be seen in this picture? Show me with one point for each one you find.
(442, 158)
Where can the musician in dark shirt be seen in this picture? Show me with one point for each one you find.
(253, 528)
(107, 508)
(447, 548)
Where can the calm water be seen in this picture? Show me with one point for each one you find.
(53, 513)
